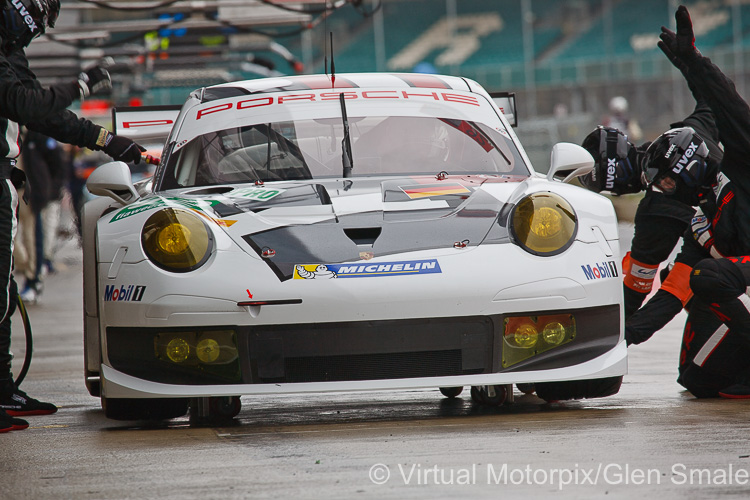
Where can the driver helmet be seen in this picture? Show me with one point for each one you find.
(679, 154)
(615, 166)
(23, 20)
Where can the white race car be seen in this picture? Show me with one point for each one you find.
(357, 232)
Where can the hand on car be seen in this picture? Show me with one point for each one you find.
(123, 149)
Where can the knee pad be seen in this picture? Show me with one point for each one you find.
(717, 280)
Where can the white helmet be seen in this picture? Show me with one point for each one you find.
(618, 104)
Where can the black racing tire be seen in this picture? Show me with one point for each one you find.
(578, 389)
(476, 394)
(526, 388)
(224, 408)
(501, 394)
(144, 409)
(451, 392)
(479, 395)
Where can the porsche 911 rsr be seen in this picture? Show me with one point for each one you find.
(363, 232)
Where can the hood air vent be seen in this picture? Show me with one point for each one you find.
(363, 235)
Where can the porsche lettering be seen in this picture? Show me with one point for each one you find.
(147, 123)
(331, 96)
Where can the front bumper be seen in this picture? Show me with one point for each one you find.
(369, 355)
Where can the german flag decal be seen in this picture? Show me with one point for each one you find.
(429, 190)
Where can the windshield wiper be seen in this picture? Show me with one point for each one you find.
(346, 143)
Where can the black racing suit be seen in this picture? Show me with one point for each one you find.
(661, 219)
(23, 101)
(716, 340)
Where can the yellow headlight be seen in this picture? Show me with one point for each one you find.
(176, 240)
(544, 223)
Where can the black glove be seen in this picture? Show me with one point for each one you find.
(679, 47)
(668, 45)
(94, 80)
(122, 149)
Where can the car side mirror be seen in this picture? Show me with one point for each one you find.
(569, 160)
(113, 180)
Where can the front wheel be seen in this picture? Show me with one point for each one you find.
(491, 395)
(526, 388)
(225, 408)
(144, 409)
(216, 409)
(451, 392)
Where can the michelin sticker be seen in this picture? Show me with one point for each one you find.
(400, 268)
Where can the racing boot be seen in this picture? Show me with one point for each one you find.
(735, 391)
(17, 403)
(740, 389)
(8, 423)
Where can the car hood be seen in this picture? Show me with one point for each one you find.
(349, 220)
(323, 222)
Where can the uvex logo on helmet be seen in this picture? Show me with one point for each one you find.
(683, 162)
(25, 15)
(611, 169)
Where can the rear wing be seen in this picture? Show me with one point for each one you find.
(506, 102)
(146, 123)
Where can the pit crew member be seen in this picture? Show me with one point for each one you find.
(666, 210)
(715, 357)
(23, 101)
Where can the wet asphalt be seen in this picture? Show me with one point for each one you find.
(652, 439)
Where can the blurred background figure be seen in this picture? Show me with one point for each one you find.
(44, 162)
(619, 118)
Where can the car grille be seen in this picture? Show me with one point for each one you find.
(375, 366)
(371, 350)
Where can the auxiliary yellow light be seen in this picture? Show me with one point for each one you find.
(526, 336)
(553, 333)
(529, 336)
(178, 350)
(208, 350)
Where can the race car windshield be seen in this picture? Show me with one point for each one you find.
(312, 149)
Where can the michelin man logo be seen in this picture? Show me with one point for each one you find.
(320, 271)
